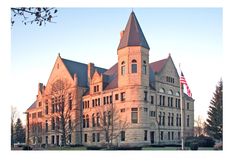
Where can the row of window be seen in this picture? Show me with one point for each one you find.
(134, 67)
(56, 139)
(106, 100)
(57, 124)
(96, 137)
(170, 119)
(170, 79)
(34, 115)
(58, 104)
(170, 135)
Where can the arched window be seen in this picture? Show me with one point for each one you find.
(134, 66)
(98, 119)
(93, 120)
(144, 67)
(162, 90)
(87, 121)
(122, 68)
(83, 121)
(170, 92)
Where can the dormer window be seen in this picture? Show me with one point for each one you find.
(134, 66)
(96, 88)
(123, 68)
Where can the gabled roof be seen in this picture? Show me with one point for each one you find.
(158, 65)
(34, 105)
(133, 34)
(111, 77)
(81, 70)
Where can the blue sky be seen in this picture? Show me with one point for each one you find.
(193, 36)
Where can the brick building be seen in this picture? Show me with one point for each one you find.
(133, 103)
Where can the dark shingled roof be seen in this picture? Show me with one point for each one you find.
(81, 70)
(133, 35)
(158, 65)
(34, 105)
(111, 77)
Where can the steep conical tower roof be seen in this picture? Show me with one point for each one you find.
(133, 35)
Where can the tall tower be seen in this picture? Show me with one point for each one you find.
(133, 55)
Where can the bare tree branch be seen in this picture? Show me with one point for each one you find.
(33, 14)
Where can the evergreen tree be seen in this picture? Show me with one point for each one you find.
(214, 122)
(19, 132)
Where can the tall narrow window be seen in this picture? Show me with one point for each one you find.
(162, 135)
(52, 139)
(163, 100)
(144, 67)
(116, 96)
(134, 66)
(46, 126)
(123, 68)
(53, 105)
(188, 121)
(87, 121)
(53, 123)
(187, 106)
(160, 100)
(134, 115)
(85, 137)
(58, 123)
(104, 119)
(160, 117)
(98, 137)
(46, 107)
(177, 120)
(98, 119)
(84, 121)
(168, 135)
(145, 95)
(152, 99)
(122, 96)
(122, 133)
(169, 119)
(172, 135)
(145, 135)
(93, 137)
(93, 120)
(172, 119)
(163, 119)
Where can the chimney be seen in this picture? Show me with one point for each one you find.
(91, 70)
(40, 87)
(75, 79)
(122, 34)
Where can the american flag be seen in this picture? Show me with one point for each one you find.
(184, 82)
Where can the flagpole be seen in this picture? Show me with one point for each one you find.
(181, 111)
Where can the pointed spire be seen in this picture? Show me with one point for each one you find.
(133, 35)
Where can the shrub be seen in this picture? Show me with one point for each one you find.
(203, 141)
(27, 147)
(75, 145)
(94, 148)
(194, 146)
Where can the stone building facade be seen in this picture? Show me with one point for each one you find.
(134, 103)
